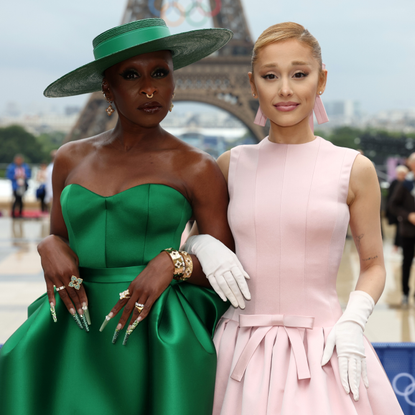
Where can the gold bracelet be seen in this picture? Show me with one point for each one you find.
(178, 262)
(189, 266)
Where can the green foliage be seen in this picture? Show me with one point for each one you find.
(16, 140)
(346, 137)
(50, 141)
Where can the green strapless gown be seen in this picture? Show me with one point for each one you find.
(168, 365)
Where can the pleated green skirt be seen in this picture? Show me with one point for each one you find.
(167, 367)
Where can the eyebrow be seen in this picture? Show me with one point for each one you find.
(293, 63)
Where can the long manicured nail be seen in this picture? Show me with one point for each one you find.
(116, 333)
(107, 319)
(86, 312)
(76, 318)
(84, 322)
(130, 329)
(53, 313)
(115, 336)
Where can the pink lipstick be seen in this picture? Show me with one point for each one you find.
(286, 106)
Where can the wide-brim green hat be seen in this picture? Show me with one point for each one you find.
(132, 39)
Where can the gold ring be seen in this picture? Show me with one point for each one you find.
(139, 307)
(60, 288)
(125, 294)
(150, 96)
(75, 282)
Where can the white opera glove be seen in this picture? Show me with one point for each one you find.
(347, 336)
(221, 267)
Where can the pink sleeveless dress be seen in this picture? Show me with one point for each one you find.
(289, 218)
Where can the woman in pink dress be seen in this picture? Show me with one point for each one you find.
(291, 351)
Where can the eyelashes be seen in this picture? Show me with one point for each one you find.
(297, 75)
(300, 75)
(158, 73)
(129, 74)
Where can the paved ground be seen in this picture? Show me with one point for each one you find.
(21, 282)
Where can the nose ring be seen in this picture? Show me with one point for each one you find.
(150, 96)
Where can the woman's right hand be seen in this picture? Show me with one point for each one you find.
(60, 268)
(221, 267)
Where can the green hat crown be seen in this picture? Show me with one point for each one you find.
(136, 38)
(129, 35)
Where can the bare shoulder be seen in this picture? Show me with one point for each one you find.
(223, 163)
(192, 159)
(72, 153)
(363, 178)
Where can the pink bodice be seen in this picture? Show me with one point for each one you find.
(289, 217)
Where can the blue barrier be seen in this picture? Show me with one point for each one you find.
(398, 360)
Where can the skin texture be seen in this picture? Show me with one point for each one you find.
(136, 151)
(278, 77)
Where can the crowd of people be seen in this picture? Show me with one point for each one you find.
(243, 318)
(19, 173)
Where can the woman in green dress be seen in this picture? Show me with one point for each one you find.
(120, 199)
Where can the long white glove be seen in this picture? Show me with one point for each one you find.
(347, 336)
(221, 267)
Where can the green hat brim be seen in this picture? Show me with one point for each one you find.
(186, 48)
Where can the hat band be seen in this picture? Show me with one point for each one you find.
(129, 40)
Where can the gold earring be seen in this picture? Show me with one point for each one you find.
(110, 110)
(171, 106)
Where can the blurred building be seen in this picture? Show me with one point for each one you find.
(40, 121)
(346, 112)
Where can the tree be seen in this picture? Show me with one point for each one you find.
(346, 137)
(16, 140)
(50, 141)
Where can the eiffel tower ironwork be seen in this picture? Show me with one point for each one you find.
(220, 80)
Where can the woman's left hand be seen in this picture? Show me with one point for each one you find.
(142, 293)
(347, 336)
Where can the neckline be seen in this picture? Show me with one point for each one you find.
(126, 190)
(267, 140)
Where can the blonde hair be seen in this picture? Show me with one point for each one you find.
(284, 31)
(402, 169)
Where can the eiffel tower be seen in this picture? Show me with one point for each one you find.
(220, 80)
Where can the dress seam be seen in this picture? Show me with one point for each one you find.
(339, 189)
(305, 285)
(146, 227)
(106, 231)
(279, 228)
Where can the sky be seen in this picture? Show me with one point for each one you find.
(368, 46)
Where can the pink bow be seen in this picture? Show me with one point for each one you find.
(264, 324)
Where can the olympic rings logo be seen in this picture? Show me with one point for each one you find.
(408, 391)
(182, 13)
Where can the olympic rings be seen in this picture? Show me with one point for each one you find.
(216, 10)
(409, 390)
(185, 14)
(190, 10)
(153, 8)
(181, 10)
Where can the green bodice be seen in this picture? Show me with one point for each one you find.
(127, 229)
